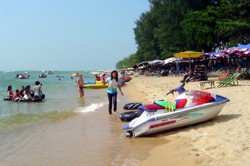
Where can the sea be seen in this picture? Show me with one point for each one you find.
(65, 129)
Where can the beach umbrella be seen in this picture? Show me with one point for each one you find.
(188, 55)
(245, 48)
(234, 50)
(246, 52)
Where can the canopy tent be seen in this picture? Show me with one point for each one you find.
(170, 60)
(240, 48)
(156, 62)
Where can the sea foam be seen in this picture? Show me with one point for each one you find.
(91, 108)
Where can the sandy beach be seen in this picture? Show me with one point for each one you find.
(222, 141)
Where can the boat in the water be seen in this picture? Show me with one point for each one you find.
(59, 76)
(190, 107)
(92, 82)
(42, 75)
(21, 99)
(51, 72)
(95, 86)
(23, 76)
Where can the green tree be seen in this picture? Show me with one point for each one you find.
(172, 26)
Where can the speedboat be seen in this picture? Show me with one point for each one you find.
(42, 75)
(51, 72)
(189, 107)
(23, 76)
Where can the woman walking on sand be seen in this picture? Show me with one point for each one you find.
(80, 84)
(113, 84)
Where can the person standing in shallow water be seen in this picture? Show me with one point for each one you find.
(113, 84)
(80, 84)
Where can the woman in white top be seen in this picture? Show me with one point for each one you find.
(113, 84)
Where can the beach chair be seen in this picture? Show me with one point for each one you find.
(230, 80)
(223, 76)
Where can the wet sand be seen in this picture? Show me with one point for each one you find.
(92, 138)
(222, 141)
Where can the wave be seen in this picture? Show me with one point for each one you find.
(90, 108)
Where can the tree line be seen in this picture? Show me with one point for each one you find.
(172, 26)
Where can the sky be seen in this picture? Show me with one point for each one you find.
(67, 34)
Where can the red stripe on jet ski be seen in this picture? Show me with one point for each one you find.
(162, 124)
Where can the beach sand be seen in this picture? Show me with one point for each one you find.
(222, 141)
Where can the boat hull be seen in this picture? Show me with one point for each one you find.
(95, 86)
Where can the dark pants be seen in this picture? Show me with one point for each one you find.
(112, 97)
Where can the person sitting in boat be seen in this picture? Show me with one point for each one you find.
(97, 77)
(22, 91)
(9, 91)
(26, 94)
(17, 96)
(102, 77)
(37, 90)
(28, 91)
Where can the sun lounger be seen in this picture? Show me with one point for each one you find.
(223, 76)
(230, 80)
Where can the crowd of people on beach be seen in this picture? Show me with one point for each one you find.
(182, 67)
(26, 93)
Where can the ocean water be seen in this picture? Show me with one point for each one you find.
(65, 129)
(61, 93)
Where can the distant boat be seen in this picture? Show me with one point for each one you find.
(42, 75)
(23, 76)
(59, 76)
(51, 72)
